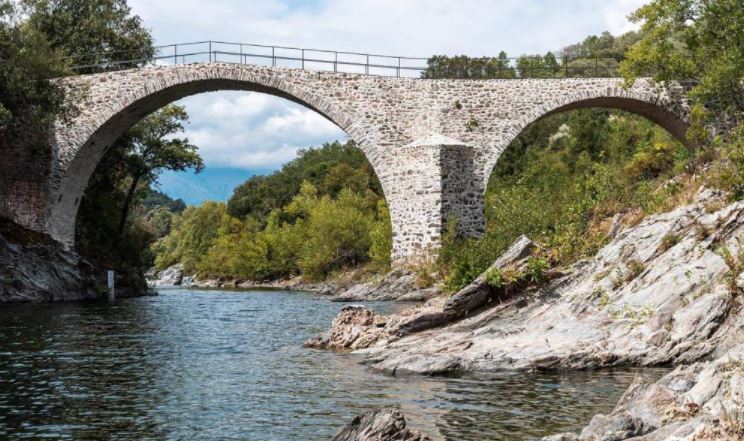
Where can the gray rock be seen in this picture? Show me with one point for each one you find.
(639, 301)
(171, 276)
(398, 284)
(43, 272)
(699, 402)
(379, 425)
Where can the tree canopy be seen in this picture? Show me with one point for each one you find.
(95, 33)
(29, 102)
(331, 168)
(697, 40)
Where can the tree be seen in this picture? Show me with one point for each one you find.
(330, 168)
(29, 102)
(150, 149)
(697, 40)
(93, 33)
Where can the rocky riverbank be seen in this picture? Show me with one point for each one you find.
(34, 268)
(669, 290)
(702, 401)
(351, 286)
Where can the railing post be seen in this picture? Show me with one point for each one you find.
(366, 66)
(335, 62)
(398, 72)
(241, 54)
(273, 56)
(565, 64)
(210, 51)
(596, 67)
(303, 58)
(175, 54)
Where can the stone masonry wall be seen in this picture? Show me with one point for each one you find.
(433, 143)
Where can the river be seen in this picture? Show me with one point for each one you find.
(192, 364)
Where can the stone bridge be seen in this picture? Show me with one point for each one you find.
(432, 143)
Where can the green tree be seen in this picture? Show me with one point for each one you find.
(151, 148)
(329, 168)
(29, 101)
(192, 237)
(697, 40)
(94, 33)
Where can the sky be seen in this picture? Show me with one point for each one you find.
(244, 133)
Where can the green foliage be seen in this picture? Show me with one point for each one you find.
(696, 40)
(595, 56)
(155, 199)
(339, 223)
(151, 147)
(493, 278)
(381, 238)
(92, 32)
(330, 169)
(192, 236)
(97, 235)
(29, 102)
(730, 172)
(559, 181)
(535, 271)
(461, 66)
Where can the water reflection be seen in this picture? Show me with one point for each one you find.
(216, 365)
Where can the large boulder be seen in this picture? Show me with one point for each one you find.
(379, 425)
(357, 327)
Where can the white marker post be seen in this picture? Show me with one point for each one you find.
(111, 294)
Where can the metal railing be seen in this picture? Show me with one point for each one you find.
(338, 61)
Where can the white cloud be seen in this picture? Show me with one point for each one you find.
(252, 130)
(616, 15)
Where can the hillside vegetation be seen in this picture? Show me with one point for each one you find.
(321, 212)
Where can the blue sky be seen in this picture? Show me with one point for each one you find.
(241, 133)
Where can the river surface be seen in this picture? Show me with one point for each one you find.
(191, 364)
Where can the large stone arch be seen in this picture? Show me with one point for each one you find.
(116, 101)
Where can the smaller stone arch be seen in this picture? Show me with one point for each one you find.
(644, 99)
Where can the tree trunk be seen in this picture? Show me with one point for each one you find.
(127, 203)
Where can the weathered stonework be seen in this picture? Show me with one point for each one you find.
(433, 143)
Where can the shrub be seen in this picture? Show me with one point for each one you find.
(493, 278)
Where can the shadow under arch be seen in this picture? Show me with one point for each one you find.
(90, 136)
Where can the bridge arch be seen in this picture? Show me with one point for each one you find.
(669, 114)
(116, 101)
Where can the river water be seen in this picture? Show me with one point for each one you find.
(190, 364)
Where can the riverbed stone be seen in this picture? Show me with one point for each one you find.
(379, 425)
